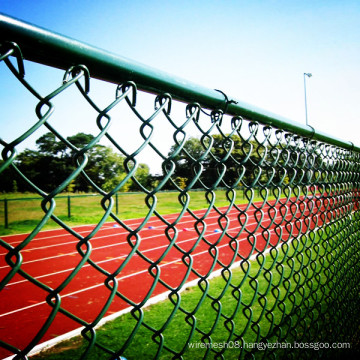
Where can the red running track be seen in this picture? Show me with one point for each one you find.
(52, 255)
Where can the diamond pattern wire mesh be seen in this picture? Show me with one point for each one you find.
(296, 249)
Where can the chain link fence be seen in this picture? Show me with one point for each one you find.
(288, 260)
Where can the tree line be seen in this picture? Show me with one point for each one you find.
(207, 162)
(228, 162)
(53, 161)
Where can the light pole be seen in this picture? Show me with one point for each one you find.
(308, 75)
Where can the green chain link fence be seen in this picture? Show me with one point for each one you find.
(291, 269)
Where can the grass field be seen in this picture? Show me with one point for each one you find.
(25, 214)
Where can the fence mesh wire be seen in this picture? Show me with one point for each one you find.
(284, 240)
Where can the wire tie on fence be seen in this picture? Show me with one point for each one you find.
(227, 101)
(313, 132)
(352, 146)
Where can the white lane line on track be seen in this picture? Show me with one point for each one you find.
(153, 300)
(117, 244)
(142, 271)
(123, 232)
(128, 222)
(67, 234)
(102, 283)
(117, 258)
(73, 253)
(138, 221)
(103, 261)
(123, 277)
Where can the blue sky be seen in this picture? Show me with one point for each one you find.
(255, 51)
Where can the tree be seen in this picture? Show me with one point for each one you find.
(49, 146)
(44, 170)
(54, 161)
(6, 179)
(185, 161)
(230, 162)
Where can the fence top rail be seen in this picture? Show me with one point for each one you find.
(49, 48)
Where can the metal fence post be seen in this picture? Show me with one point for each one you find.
(69, 206)
(117, 203)
(6, 214)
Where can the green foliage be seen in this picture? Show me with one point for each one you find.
(104, 168)
(221, 160)
(181, 182)
(71, 187)
(15, 187)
